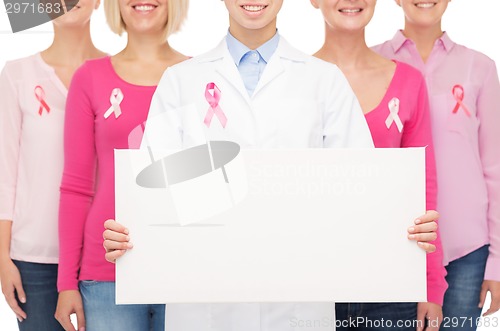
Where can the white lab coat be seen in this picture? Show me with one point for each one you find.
(299, 102)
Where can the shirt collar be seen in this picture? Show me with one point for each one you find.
(238, 50)
(446, 42)
(400, 40)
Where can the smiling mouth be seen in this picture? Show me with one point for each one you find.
(351, 10)
(144, 8)
(425, 5)
(254, 8)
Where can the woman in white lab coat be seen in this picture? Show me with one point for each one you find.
(296, 101)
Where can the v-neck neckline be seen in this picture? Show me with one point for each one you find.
(55, 78)
(387, 92)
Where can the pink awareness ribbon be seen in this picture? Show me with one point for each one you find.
(215, 109)
(116, 99)
(393, 115)
(40, 96)
(458, 94)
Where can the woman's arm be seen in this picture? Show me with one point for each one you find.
(488, 112)
(77, 192)
(10, 135)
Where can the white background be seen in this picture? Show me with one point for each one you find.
(474, 23)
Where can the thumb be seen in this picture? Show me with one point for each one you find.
(482, 296)
(421, 313)
(80, 319)
(21, 295)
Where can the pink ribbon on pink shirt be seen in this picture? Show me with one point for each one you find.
(458, 94)
(215, 109)
(394, 115)
(40, 96)
(115, 99)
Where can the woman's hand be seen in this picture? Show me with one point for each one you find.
(429, 316)
(70, 302)
(425, 230)
(12, 285)
(116, 240)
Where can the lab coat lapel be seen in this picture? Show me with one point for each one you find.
(276, 67)
(273, 69)
(224, 66)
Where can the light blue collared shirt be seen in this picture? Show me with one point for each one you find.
(251, 63)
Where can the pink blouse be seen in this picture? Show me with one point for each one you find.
(402, 119)
(101, 113)
(31, 156)
(464, 94)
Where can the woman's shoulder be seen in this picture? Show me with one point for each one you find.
(408, 69)
(96, 64)
(25, 64)
(91, 68)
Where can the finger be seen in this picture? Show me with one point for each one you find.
(111, 245)
(65, 322)
(424, 228)
(114, 255)
(115, 236)
(80, 319)
(494, 307)
(431, 328)
(430, 216)
(115, 226)
(21, 295)
(20, 292)
(420, 319)
(433, 323)
(13, 304)
(423, 237)
(429, 248)
(482, 296)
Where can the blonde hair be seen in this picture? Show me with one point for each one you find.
(177, 12)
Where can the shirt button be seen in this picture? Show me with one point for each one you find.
(254, 54)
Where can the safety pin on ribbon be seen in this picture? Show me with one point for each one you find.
(116, 99)
(393, 115)
(459, 94)
(214, 109)
(40, 96)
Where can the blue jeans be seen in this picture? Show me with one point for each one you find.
(376, 316)
(102, 314)
(40, 284)
(465, 277)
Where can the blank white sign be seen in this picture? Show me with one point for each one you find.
(316, 226)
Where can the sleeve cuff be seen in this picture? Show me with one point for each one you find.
(435, 294)
(67, 285)
(492, 271)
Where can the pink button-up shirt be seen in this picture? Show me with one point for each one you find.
(466, 131)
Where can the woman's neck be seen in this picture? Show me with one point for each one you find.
(423, 37)
(345, 49)
(71, 47)
(146, 48)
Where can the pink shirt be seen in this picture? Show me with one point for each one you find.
(408, 89)
(89, 143)
(31, 156)
(466, 143)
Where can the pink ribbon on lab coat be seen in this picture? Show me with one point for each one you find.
(214, 109)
